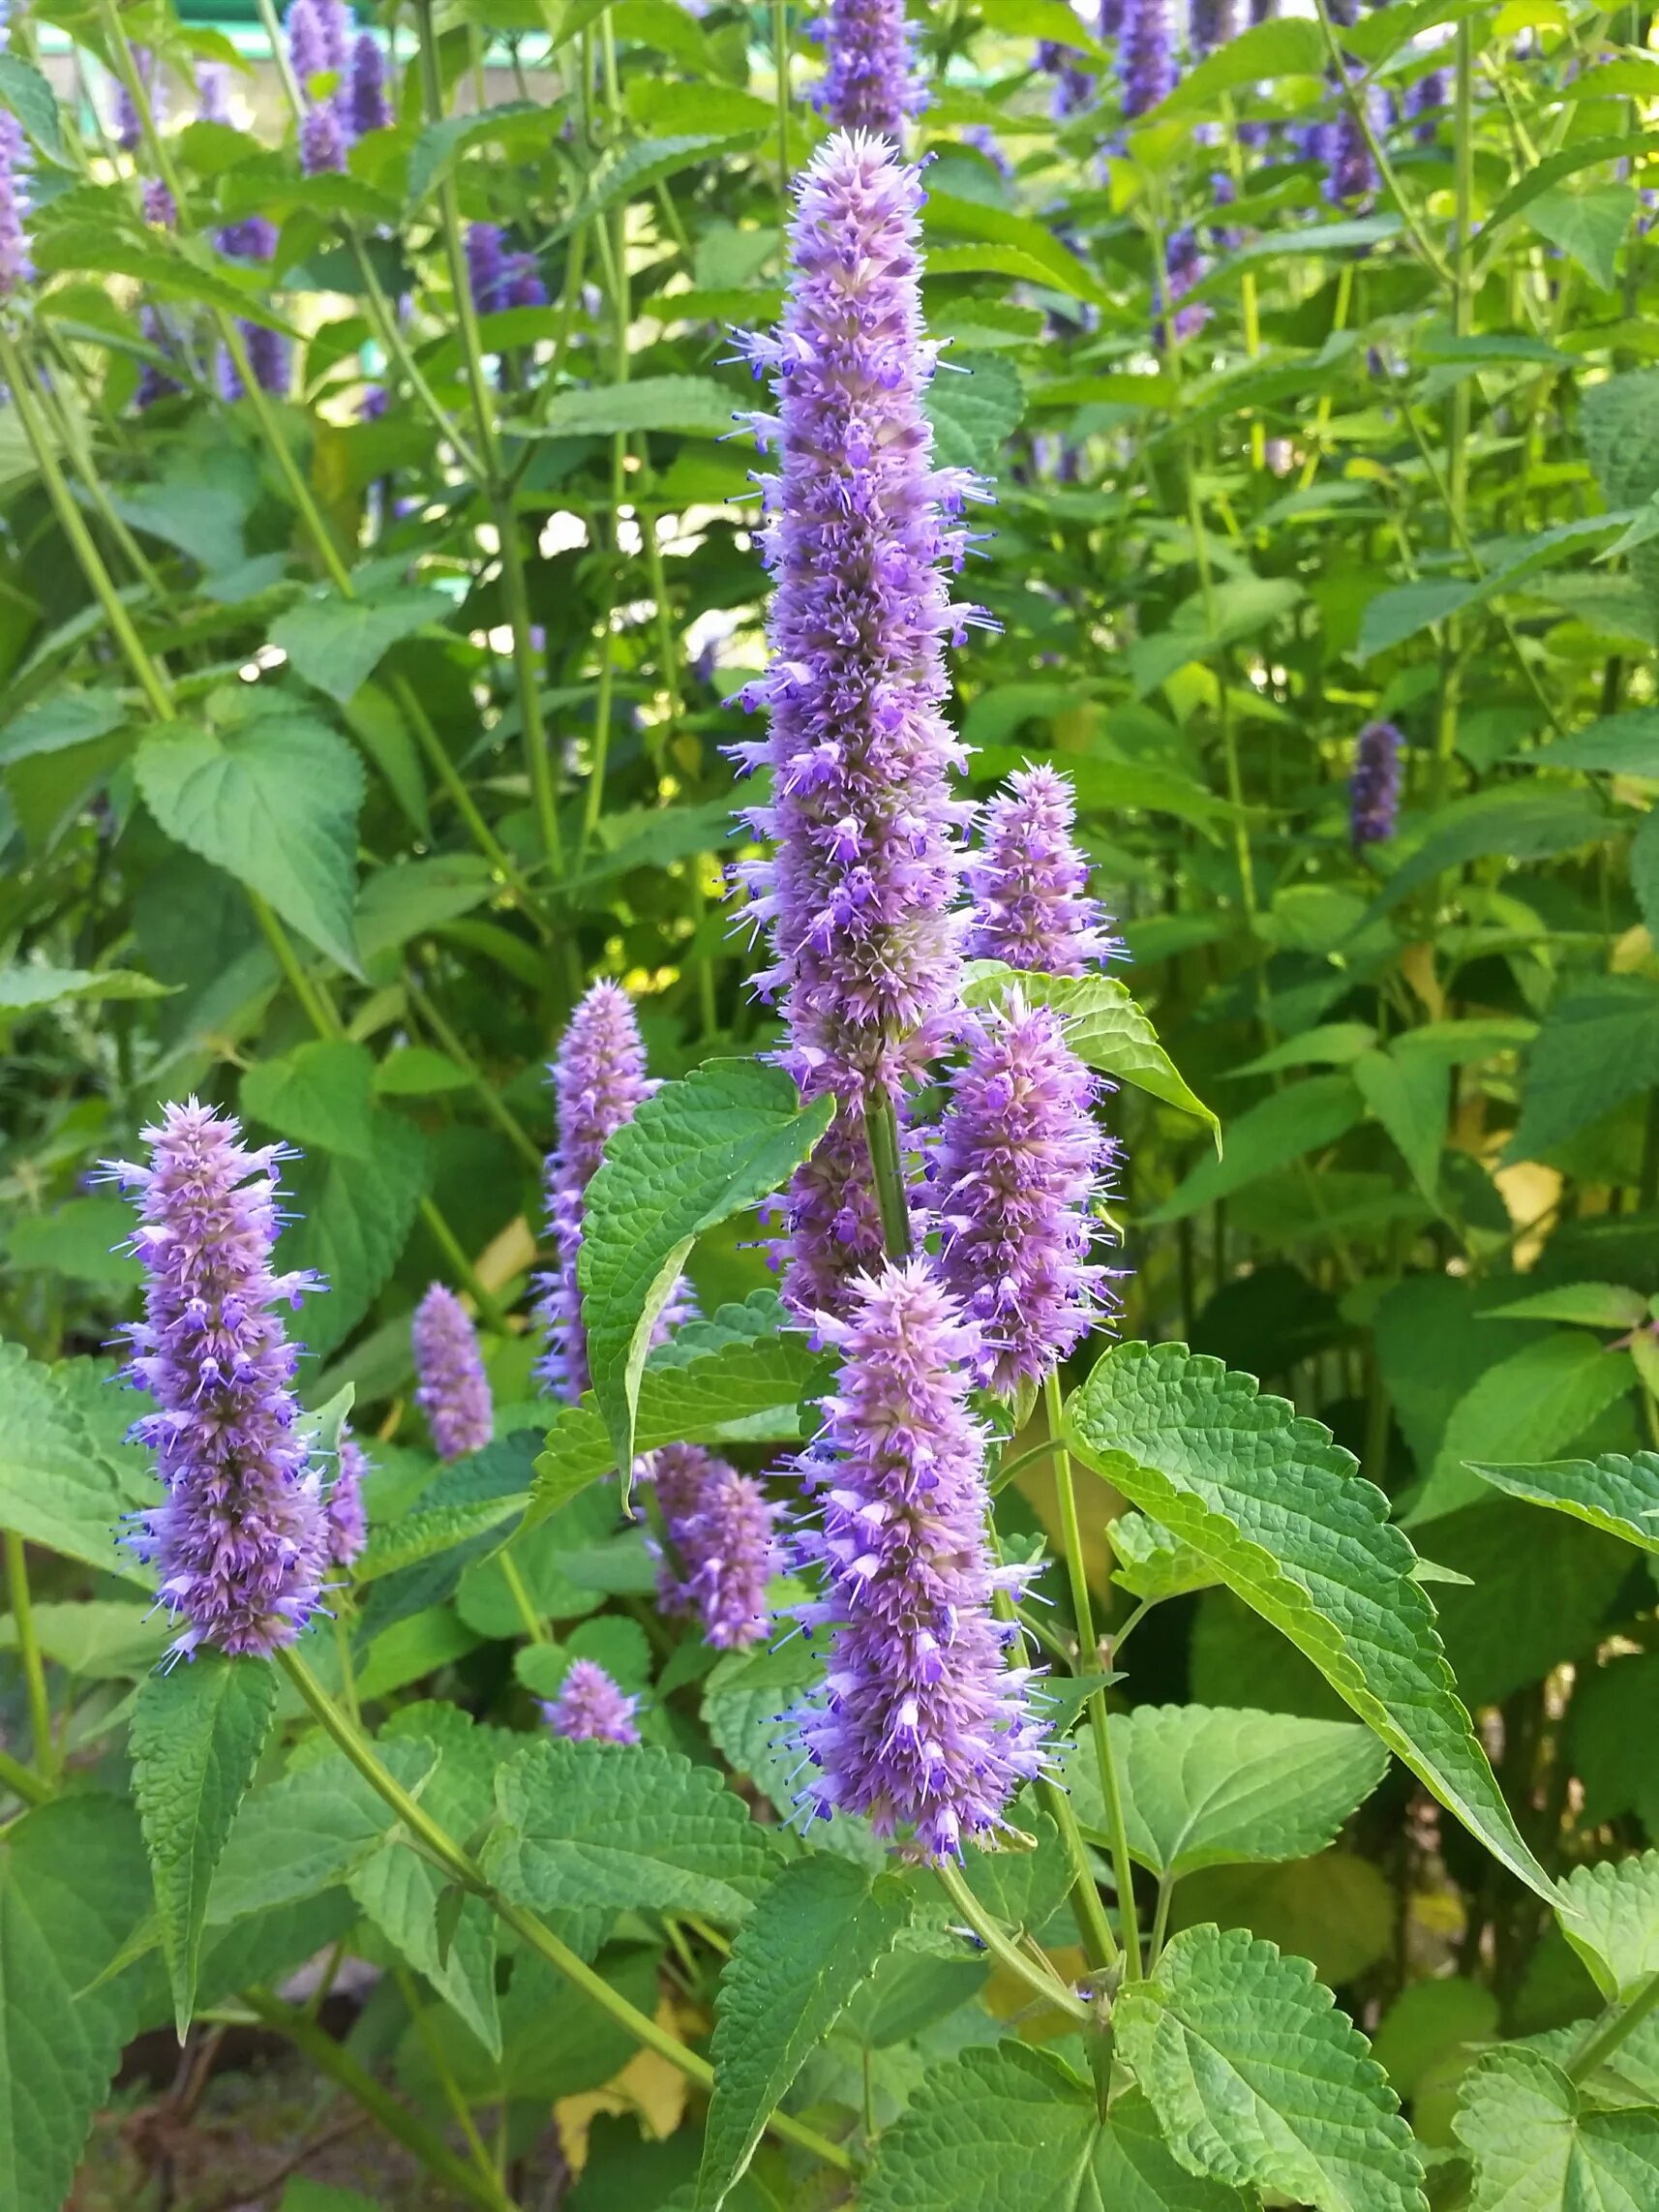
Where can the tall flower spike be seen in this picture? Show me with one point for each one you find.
(1146, 55)
(1374, 790)
(870, 82)
(922, 1724)
(861, 895)
(322, 141)
(1424, 103)
(213, 92)
(591, 1708)
(486, 267)
(240, 1543)
(308, 44)
(720, 1525)
(1021, 1158)
(255, 239)
(451, 1389)
(1212, 23)
(1030, 884)
(598, 1082)
(1351, 175)
(370, 111)
(17, 269)
(347, 1527)
(1183, 266)
(129, 129)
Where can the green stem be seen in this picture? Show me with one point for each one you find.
(780, 58)
(463, 1868)
(1356, 96)
(500, 1113)
(29, 1653)
(337, 2062)
(1601, 2043)
(22, 1781)
(312, 1004)
(1082, 1607)
(386, 329)
(1048, 1987)
(881, 1134)
(490, 1306)
(460, 2110)
(536, 1627)
(1161, 1918)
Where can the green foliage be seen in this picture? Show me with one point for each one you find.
(1537, 2148)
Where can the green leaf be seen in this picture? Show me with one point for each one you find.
(1591, 1304)
(1289, 47)
(692, 404)
(632, 1828)
(1588, 226)
(1213, 1786)
(975, 405)
(1295, 1532)
(1599, 1044)
(697, 1152)
(1619, 744)
(52, 726)
(1260, 2081)
(734, 1378)
(1022, 234)
(350, 1219)
(1285, 1126)
(198, 1733)
(1620, 420)
(24, 989)
(318, 1094)
(1611, 1917)
(620, 176)
(84, 1239)
(441, 144)
(28, 96)
(274, 802)
(1408, 1093)
(399, 901)
(1511, 820)
(1537, 2149)
(1616, 1492)
(400, 1891)
(309, 1831)
(813, 1937)
(56, 1487)
(1544, 176)
(336, 644)
(1105, 1026)
(1151, 1563)
(1333, 1910)
(1013, 2130)
(1539, 1400)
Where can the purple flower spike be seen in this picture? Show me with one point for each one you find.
(370, 111)
(129, 129)
(1030, 884)
(213, 92)
(721, 1527)
(598, 1082)
(486, 267)
(1424, 103)
(255, 239)
(308, 54)
(159, 204)
(1146, 56)
(1213, 23)
(1351, 175)
(1184, 265)
(1374, 790)
(347, 1527)
(155, 382)
(17, 269)
(1020, 1160)
(451, 1389)
(922, 1724)
(859, 898)
(240, 1543)
(520, 282)
(322, 141)
(591, 1709)
(1074, 80)
(870, 82)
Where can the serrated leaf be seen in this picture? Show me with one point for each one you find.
(1153, 1564)
(399, 901)
(30, 98)
(734, 1378)
(1537, 2149)
(692, 404)
(1105, 1026)
(813, 1937)
(628, 1826)
(197, 1732)
(402, 1893)
(336, 644)
(1292, 47)
(1260, 2081)
(1618, 1493)
(441, 144)
(309, 1831)
(620, 176)
(1588, 226)
(1213, 1786)
(1408, 1095)
(1611, 1917)
(1541, 1399)
(1285, 1126)
(318, 1094)
(23, 989)
(975, 403)
(56, 1487)
(697, 1152)
(1598, 1044)
(350, 1219)
(1591, 1304)
(1012, 2127)
(468, 1498)
(1295, 1532)
(274, 802)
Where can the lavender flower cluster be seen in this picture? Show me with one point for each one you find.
(497, 277)
(870, 82)
(1374, 791)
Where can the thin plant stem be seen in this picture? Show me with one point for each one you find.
(1600, 2044)
(536, 1627)
(460, 2110)
(498, 1112)
(1047, 1985)
(1160, 1919)
(1083, 1610)
(29, 1655)
(22, 1781)
(881, 1134)
(1354, 97)
(385, 318)
(461, 1867)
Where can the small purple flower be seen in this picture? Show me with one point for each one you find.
(520, 282)
(319, 33)
(158, 205)
(240, 1543)
(591, 1709)
(1351, 173)
(1146, 55)
(861, 896)
(347, 1525)
(1020, 1162)
(1424, 103)
(154, 381)
(721, 1527)
(922, 1724)
(129, 127)
(370, 111)
(485, 265)
(322, 141)
(1183, 267)
(17, 269)
(255, 239)
(451, 1391)
(1073, 79)
(598, 1082)
(213, 92)
(1374, 789)
(870, 82)
(1030, 884)
(1213, 23)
